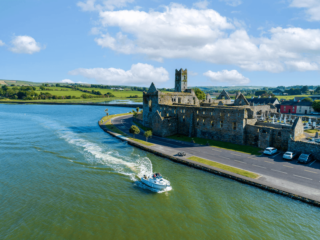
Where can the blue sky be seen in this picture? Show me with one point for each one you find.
(134, 42)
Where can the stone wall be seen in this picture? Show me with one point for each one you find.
(305, 147)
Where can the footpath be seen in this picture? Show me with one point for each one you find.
(271, 184)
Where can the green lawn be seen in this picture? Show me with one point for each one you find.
(105, 121)
(219, 144)
(311, 130)
(141, 126)
(120, 94)
(225, 167)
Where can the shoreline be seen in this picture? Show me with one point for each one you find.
(260, 183)
(134, 105)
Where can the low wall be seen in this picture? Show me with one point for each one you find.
(305, 147)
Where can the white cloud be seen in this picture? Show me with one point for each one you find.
(91, 5)
(205, 35)
(1, 43)
(312, 8)
(67, 81)
(232, 77)
(25, 44)
(201, 4)
(139, 73)
(232, 3)
(302, 66)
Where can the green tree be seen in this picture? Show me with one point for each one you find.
(316, 106)
(147, 134)
(42, 88)
(304, 89)
(138, 109)
(306, 100)
(134, 130)
(57, 85)
(200, 94)
(4, 88)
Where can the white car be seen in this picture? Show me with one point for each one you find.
(289, 155)
(270, 151)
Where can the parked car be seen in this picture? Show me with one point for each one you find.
(305, 158)
(270, 151)
(289, 155)
(181, 154)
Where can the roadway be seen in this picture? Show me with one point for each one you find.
(272, 166)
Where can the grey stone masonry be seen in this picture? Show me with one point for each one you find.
(181, 112)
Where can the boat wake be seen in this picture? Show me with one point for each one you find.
(103, 156)
(116, 158)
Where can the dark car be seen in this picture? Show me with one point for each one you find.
(181, 154)
(305, 158)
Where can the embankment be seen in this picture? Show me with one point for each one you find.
(260, 182)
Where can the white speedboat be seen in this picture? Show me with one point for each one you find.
(155, 181)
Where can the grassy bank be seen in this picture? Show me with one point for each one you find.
(219, 144)
(225, 167)
(82, 100)
(106, 121)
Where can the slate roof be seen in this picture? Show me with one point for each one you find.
(292, 103)
(262, 100)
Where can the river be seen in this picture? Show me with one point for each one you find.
(62, 177)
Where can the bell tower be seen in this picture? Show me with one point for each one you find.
(181, 80)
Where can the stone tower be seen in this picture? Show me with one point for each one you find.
(181, 82)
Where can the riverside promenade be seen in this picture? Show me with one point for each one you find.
(273, 179)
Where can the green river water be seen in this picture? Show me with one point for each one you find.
(62, 177)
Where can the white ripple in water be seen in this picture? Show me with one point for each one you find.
(98, 153)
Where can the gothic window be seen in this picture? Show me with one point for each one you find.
(198, 121)
(221, 124)
(204, 112)
(183, 119)
(203, 122)
(179, 100)
(234, 126)
(212, 124)
(279, 134)
(150, 105)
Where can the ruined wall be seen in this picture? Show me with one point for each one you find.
(262, 135)
(150, 106)
(305, 147)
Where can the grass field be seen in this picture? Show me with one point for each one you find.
(225, 167)
(219, 144)
(120, 94)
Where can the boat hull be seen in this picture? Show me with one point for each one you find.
(154, 185)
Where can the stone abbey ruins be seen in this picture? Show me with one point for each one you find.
(238, 121)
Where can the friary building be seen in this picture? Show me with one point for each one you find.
(238, 121)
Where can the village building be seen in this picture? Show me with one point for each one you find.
(239, 122)
(292, 107)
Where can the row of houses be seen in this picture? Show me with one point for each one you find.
(288, 107)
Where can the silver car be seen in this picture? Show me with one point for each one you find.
(289, 155)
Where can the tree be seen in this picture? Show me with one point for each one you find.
(200, 94)
(57, 85)
(4, 88)
(138, 109)
(304, 89)
(316, 106)
(134, 130)
(147, 134)
(42, 88)
(306, 100)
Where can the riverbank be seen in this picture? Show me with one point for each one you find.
(271, 184)
(76, 103)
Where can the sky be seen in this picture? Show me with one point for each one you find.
(135, 42)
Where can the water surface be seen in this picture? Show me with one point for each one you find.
(62, 177)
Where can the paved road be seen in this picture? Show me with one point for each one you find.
(273, 166)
